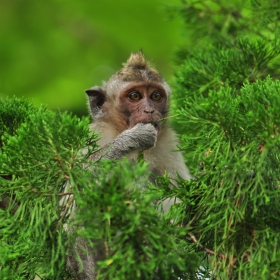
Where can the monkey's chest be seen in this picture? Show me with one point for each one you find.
(149, 157)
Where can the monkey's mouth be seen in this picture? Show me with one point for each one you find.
(155, 124)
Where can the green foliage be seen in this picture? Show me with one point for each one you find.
(39, 150)
(143, 244)
(236, 142)
(230, 121)
(43, 174)
(230, 64)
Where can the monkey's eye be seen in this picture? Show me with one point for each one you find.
(156, 96)
(134, 96)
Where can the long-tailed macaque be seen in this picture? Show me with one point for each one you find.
(128, 111)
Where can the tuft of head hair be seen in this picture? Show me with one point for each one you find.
(138, 69)
(137, 61)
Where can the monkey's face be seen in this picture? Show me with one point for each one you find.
(143, 103)
(135, 94)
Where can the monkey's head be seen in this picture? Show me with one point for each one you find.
(135, 94)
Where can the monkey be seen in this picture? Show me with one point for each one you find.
(128, 111)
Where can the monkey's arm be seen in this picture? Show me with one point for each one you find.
(140, 137)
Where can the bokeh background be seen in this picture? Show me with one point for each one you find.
(51, 51)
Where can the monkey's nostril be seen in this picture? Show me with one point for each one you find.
(149, 111)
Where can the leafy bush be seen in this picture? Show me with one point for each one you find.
(228, 85)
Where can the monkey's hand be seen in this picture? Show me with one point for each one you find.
(140, 137)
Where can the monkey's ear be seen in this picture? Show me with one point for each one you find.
(97, 97)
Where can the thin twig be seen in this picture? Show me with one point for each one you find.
(208, 251)
(69, 202)
(49, 194)
(168, 117)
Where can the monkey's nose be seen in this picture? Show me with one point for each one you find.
(149, 111)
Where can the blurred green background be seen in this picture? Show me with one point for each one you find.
(51, 51)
